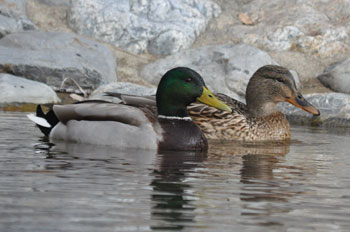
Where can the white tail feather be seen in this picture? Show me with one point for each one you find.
(38, 120)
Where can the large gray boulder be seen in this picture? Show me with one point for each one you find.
(158, 26)
(334, 109)
(15, 89)
(51, 57)
(337, 77)
(13, 17)
(225, 68)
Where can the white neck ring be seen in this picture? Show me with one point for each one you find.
(174, 117)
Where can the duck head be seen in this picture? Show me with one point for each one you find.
(271, 84)
(180, 87)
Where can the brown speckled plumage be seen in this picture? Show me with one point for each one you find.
(238, 125)
(259, 120)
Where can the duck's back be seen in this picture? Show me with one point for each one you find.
(105, 124)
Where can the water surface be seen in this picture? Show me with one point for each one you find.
(304, 186)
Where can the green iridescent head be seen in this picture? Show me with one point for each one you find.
(180, 87)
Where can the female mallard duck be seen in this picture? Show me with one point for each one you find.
(126, 126)
(259, 119)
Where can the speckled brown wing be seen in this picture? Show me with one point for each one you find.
(217, 124)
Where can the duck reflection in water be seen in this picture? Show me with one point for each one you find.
(257, 172)
(171, 180)
(173, 204)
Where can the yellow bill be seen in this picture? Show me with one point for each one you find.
(209, 99)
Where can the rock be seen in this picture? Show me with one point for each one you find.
(56, 2)
(307, 67)
(121, 87)
(50, 57)
(337, 77)
(334, 109)
(129, 65)
(13, 17)
(316, 28)
(225, 68)
(158, 27)
(15, 89)
(49, 15)
(303, 26)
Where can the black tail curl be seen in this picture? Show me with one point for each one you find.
(50, 117)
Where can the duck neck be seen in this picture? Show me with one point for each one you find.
(261, 109)
(171, 110)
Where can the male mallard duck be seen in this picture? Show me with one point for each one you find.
(259, 119)
(126, 126)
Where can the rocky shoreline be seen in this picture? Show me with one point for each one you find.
(52, 46)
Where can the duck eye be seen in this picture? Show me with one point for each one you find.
(188, 80)
(280, 80)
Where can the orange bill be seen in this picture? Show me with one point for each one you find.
(299, 101)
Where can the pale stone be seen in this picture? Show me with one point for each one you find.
(158, 27)
(15, 89)
(51, 57)
(337, 77)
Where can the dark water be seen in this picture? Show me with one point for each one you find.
(304, 186)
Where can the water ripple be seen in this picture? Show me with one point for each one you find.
(302, 186)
